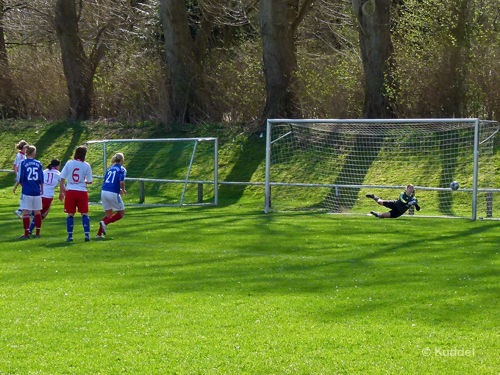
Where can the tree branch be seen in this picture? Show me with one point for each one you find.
(306, 5)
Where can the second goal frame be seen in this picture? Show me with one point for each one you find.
(154, 157)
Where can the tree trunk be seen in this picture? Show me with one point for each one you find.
(77, 67)
(8, 107)
(279, 20)
(184, 71)
(377, 55)
(457, 62)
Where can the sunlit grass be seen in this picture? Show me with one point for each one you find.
(230, 290)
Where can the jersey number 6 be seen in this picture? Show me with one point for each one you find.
(75, 175)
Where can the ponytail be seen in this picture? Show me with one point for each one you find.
(118, 157)
(21, 144)
(54, 163)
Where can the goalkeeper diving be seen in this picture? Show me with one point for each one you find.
(397, 206)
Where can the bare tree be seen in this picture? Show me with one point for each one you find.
(377, 55)
(79, 68)
(8, 96)
(184, 56)
(180, 56)
(279, 21)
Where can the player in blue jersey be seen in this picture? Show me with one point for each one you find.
(112, 187)
(30, 176)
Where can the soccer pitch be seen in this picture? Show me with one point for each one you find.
(231, 290)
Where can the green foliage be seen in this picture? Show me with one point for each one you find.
(238, 82)
(329, 87)
(444, 51)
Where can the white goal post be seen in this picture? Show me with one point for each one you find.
(160, 171)
(331, 164)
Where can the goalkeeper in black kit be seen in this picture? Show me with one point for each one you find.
(398, 206)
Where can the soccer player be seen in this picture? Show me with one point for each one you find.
(30, 176)
(112, 187)
(398, 206)
(20, 156)
(51, 177)
(78, 174)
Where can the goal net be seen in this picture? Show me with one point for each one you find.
(164, 172)
(332, 164)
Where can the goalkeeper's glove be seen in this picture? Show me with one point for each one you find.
(412, 202)
(417, 207)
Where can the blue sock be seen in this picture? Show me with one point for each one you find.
(86, 225)
(32, 225)
(69, 225)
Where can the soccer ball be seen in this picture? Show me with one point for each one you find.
(454, 185)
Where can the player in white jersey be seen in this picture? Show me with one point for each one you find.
(77, 174)
(51, 177)
(20, 156)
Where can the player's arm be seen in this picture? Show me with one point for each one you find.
(18, 178)
(41, 180)
(414, 202)
(62, 189)
(122, 188)
(88, 177)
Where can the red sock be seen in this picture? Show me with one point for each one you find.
(114, 218)
(109, 220)
(38, 223)
(26, 224)
(99, 232)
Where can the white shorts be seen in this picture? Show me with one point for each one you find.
(111, 201)
(30, 203)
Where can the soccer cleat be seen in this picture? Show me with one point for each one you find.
(36, 236)
(69, 239)
(103, 227)
(99, 237)
(23, 237)
(376, 214)
(87, 239)
(19, 213)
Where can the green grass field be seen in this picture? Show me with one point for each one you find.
(231, 290)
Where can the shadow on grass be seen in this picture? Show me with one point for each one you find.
(253, 254)
(250, 158)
